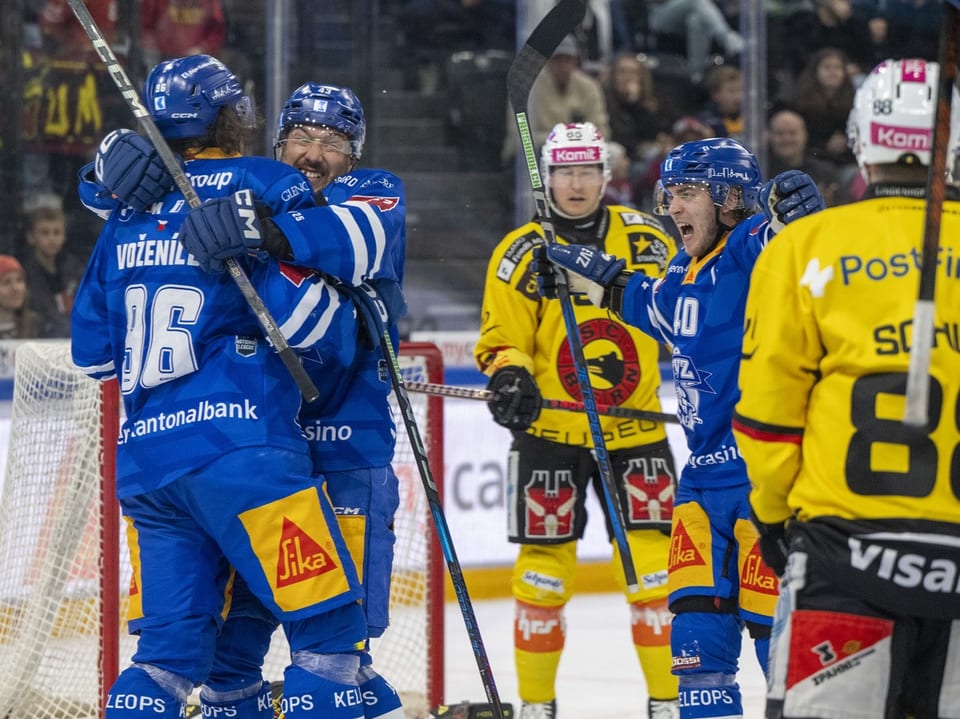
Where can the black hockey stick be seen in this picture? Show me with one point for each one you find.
(485, 395)
(374, 318)
(916, 410)
(120, 79)
(546, 36)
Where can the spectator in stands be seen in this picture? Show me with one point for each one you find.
(787, 145)
(903, 28)
(647, 172)
(176, 28)
(632, 105)
(723, 113)
(830, 24)
(51, 273)
(823, 96)
(702, 23)
(619, 189)
(561, 94)
(17, 320)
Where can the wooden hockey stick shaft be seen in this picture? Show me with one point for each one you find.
(559, 22)
(122, 81)
(485, 395)
(916, 410)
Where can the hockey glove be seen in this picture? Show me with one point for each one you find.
(589, 272)
(547, 276)
(773, 544)
(129, 168)
(229, 227)
(515, 403)
(789, 196)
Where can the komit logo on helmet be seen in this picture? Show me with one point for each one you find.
(319, 105)
(575, 155)
(900, 138)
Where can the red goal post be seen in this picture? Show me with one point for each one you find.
(66, 569)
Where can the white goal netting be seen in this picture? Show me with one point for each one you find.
(56, 649)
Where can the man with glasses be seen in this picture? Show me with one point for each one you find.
(523, 348)
(713, 192)
(357, 235)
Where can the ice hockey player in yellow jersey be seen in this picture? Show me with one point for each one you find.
(858, 512)
(523, 347)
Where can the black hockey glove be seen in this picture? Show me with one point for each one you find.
(129, 168)
(773, 544)
(545, 272)
(231, 226)
(515, 403)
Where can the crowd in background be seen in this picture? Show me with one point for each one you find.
(650, 74)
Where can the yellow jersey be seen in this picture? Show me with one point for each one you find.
(826, 347)
(518, 327)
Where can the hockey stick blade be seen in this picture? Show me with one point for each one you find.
(559, 22)
(122, 81)
(916, 403)
(485, 395)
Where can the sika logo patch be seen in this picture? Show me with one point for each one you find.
(299, 556)
(756, 575)
(299, 550)
(683, 552)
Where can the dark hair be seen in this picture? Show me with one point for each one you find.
(230, 133)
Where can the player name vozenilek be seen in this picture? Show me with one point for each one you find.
(151, 253)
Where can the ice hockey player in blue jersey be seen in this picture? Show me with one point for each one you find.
(356, 234)
(214, 473)
(712, 189)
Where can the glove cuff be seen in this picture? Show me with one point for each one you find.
(613, 294)
(275, 243)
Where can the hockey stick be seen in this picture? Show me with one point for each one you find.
(916, 408)
(546, 36)
(367, 305)
(485, 395)
(120, 79)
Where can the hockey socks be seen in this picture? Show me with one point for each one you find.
(310, 696)
(253, 702)
(380, 699)
(134, 695)
(538, 639)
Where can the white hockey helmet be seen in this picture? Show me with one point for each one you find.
(574, 143)
(893, 111)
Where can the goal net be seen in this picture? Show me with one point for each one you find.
(63, 586)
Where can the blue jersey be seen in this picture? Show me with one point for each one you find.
(697, 309)
(196, 375)
(359, 236)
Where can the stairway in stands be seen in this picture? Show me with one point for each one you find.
(459, 202)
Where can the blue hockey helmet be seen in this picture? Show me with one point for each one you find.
(718, 163)
(327, 106)
(184, 95)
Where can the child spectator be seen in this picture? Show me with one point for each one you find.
(51, 273)
(17, 320)
(723, 113)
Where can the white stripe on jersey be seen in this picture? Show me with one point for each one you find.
(379, 236)
(360, 257)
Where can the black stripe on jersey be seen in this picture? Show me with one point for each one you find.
(766, 432)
